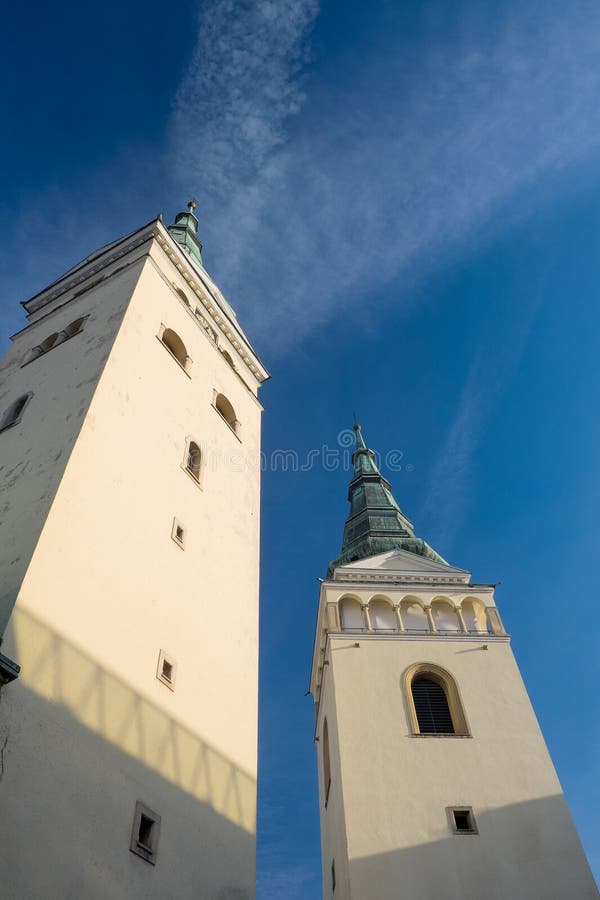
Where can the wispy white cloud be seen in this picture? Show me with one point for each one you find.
(452, 479)
(240, 89)
(412, 156)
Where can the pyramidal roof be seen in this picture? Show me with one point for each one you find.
(376, 523)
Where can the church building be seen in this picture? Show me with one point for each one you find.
(129, 558)
(435, 782)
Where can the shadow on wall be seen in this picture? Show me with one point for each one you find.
(80, 748)
(523, 851)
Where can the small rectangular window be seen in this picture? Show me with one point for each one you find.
(145, 832)
(166, 670)
(178, 533)
(462, 820)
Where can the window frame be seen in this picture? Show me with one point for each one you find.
(451, 810)
(61, 338)
(184, 463)
(168, 681)
(453, 698)
(147, 852)
(15, 421)
(234, 426)
(185, 367)
(180, 541)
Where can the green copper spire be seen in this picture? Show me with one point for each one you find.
(185, 232)
(376, 523)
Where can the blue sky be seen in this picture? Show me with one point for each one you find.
(402, 202)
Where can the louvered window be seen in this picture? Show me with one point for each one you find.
(431, 706)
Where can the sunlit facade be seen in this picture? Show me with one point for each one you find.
(129, 541)
(434, 778)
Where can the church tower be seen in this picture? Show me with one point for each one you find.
(129, 539)
(434, 778)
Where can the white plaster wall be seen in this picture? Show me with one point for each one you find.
(33, 454)
(106, 589)
(396, 787)
(333, 831)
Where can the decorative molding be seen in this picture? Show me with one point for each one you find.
(85, 271)
(207, 294)
(450, 687)
(211, 302)
(364, 576)
(482, 638)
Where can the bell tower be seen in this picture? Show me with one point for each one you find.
(434, 778)
(129, 539)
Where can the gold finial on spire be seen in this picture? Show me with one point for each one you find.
(192, 204)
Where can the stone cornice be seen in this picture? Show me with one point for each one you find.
(88, 267)
(210, 298)
(204, 289)
(396, 578)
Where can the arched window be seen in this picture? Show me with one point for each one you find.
(431, 705)
(351, 615)
(48, 343)
(326, 763)
(475, 617)
(183, 296)
(193, 460)
(74, 328)
(413, 617)
(228, 359)
(444, 616)
(176, 347)
(383, 618)
(434, 701)
(14, 413)
(53, 340)
(224, 407)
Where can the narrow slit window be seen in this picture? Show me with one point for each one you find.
(166, 670)
(326, 763)
(178, 533)
(333, 876)
(193, 460)
(145, 833)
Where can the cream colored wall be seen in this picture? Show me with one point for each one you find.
(396, 787)
(33, 454)
(106, 589)
(333, 829)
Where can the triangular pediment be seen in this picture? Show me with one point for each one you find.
(401, 563)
